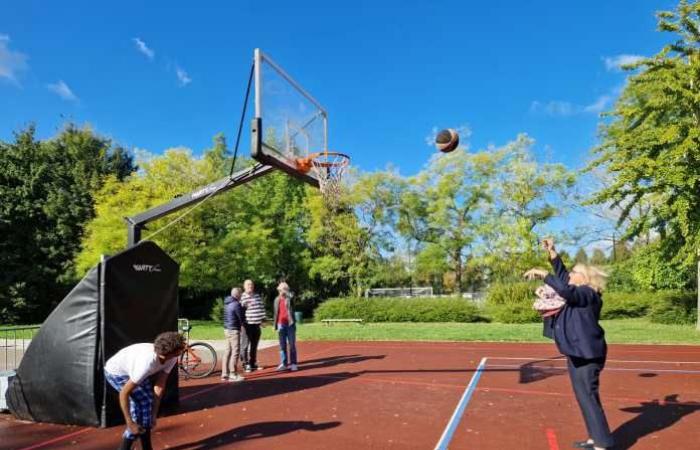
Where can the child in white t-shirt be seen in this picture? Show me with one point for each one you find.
(130, 370)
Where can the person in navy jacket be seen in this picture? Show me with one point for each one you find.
(577, 332)
(234, 320)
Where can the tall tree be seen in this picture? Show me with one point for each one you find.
(255, 231)
(581, 256)
(526, 194)
(598, 257)
(441, 205)
(47, 196)
(651, 142)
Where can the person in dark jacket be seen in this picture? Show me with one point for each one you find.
(233, 321)
(286, 328)
(579, 336)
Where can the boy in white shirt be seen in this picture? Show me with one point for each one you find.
(129, 372)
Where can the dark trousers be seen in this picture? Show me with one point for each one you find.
(245, 344)
(585, 378)
(253, 334)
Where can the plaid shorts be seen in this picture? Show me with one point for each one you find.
(140, 401)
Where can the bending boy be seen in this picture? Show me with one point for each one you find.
(130, 370)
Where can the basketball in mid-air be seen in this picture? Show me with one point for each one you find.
(447, 140)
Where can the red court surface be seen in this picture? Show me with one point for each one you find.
(416, 395)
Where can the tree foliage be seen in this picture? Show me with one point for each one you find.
(480, 211)
(46, 197)
(651, 142)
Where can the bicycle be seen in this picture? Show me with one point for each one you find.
(199, 358)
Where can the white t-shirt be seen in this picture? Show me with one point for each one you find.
(138, 362)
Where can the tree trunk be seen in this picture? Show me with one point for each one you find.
(458, 271)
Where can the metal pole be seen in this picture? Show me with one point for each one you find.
(136, 223)
(258, 105)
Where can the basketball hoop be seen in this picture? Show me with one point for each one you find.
(328, 167)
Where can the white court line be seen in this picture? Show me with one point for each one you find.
(609, 369)
(446, 437)
(607, 361)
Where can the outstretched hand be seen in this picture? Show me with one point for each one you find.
(548, 244)
(535, 274)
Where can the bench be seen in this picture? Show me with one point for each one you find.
(332, 321)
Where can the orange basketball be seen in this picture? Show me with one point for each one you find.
(304, 164)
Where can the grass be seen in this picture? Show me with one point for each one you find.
(620, 331)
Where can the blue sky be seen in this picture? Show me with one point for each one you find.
(155, 75)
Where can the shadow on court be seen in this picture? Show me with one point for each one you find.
(530, 372)
(652, 416)
(254, 431)
(336, 361)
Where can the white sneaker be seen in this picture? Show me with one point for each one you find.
(235, 378)
(293, 368)
(281, 367)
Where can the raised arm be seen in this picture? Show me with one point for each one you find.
(556, 261)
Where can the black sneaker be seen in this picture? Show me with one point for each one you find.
(248, 369)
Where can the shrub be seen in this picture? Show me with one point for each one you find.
(399, 310)
(622, 278)
(620, 305)
(512, 302)
(674, 307)
(217, 311)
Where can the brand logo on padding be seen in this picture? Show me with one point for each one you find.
(147, 267)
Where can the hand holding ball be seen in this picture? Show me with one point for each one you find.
(447, 140)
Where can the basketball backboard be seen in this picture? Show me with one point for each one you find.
(289, 123)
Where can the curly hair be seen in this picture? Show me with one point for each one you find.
(169, 342)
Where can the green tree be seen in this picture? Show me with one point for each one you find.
(255, 231)
(440, 206)
(349, 241)
(598, 257)
(581, 256)
(526, 195)
(651, 142)
(47, 193)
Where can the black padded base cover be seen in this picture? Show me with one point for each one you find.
(128, 298)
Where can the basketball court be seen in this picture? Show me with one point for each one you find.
(404, 395)
(416, 395)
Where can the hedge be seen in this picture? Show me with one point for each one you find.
(400, 310)
(674, 308)
(512, 302)
(622, 305)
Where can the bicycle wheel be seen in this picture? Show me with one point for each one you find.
(199, 360)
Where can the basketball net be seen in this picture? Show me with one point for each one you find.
(329, 168)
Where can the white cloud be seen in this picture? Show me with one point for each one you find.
(143, 48)
(615, 63)
(182, 76)
(559, 108)
(463, 130)
(599, 105)
(11, 62)
(62, 90)
(554, 108)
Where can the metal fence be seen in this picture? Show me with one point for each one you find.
(13, 343)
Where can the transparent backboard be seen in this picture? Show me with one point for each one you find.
(289, 123)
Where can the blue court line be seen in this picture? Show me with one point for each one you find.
(444, 442)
